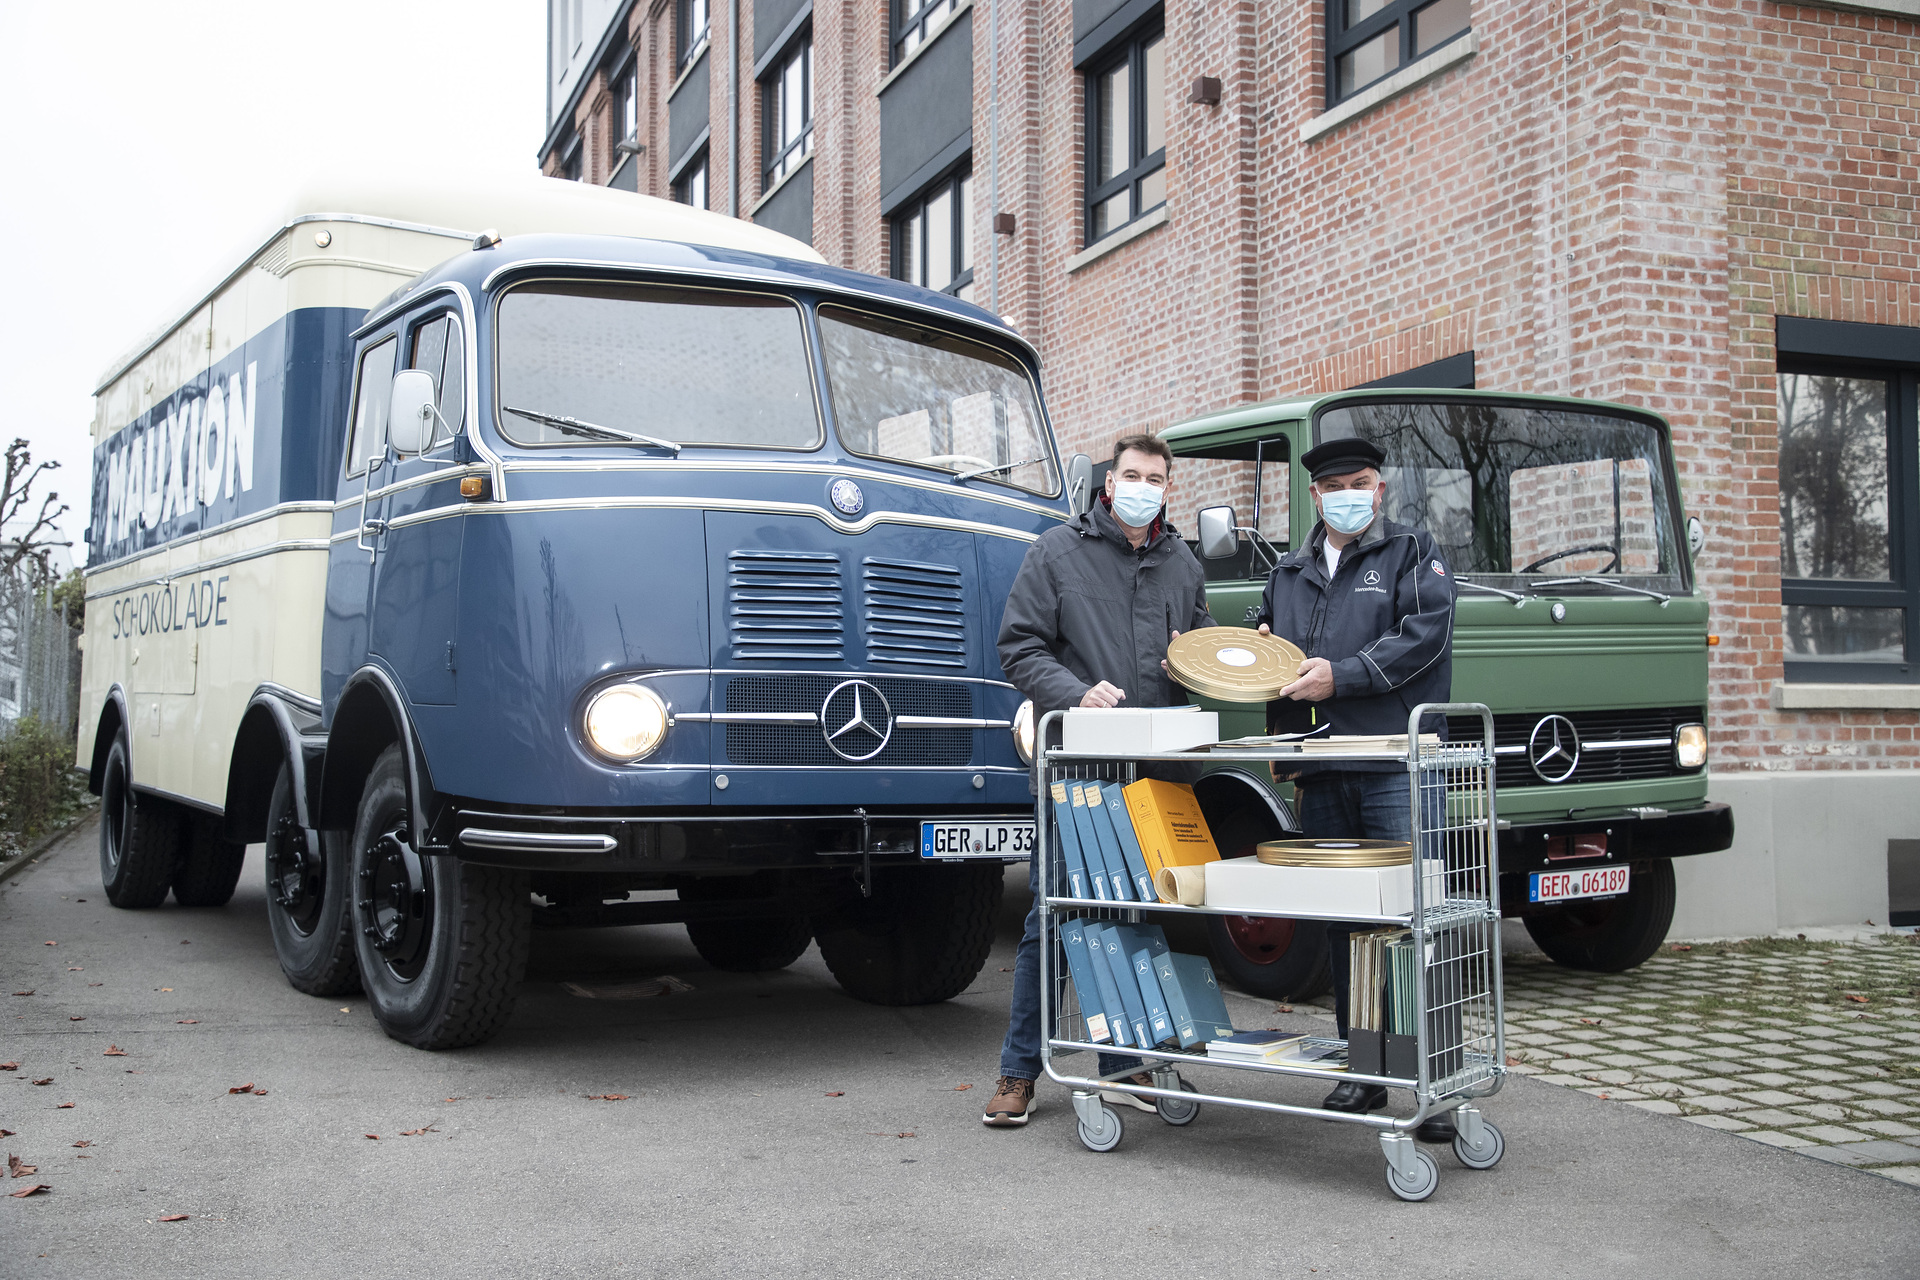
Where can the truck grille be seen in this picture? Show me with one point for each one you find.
(801, 744)
(915, 613)
(1597, 764)
(783, 605)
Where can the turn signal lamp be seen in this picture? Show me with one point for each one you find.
(1023, 731)
(1690, 746)
(627, 722)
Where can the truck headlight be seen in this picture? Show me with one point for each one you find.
(1023, 731)
(627, 722)
(1690, 746)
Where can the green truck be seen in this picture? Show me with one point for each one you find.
(1579, 624)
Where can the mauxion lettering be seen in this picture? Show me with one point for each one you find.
(197, 453)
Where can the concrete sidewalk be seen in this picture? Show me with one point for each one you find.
(772, 1126)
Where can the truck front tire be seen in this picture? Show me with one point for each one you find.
(442, 944)
(1610, 935)
(307, 895)
(745, 946)
(921, 938)
(139, 836)
(1271, 958)
(209, 866)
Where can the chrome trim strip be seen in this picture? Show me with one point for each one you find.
(707, 815)
(748, 717)
(411, 482)
(278, 509)
(956, 769)
(949, 722)
(801, 671)
(535, 841)
(1617, 744)
(220, 562)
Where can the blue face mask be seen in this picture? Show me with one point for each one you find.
(1136, 503)
(1347, 510)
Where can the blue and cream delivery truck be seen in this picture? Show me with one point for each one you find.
(493, 581)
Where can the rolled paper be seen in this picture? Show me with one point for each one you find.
(1184, 885)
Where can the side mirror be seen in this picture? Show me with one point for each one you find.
(410, 413)
(1079, 483)
(1696, 535)
(1219, 536)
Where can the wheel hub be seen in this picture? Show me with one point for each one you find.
(1260, 939)
(293, 867)
(395, 909)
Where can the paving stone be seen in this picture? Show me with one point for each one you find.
(1614, 1077)
(1668, 1072)
(1820, 1054)
(1833, 1155)
(1827, 1092)
(1769, 1079)
(1884, 1106)
(1773, 1138)
(1721, 1067)
(1574, 1065)
(1823, 1111)
(1830, 1133)
(1889, 1128)
(1715, 1084)
(1632, 1046)
(1828, 1077)
(1729, 1123)
(1773, 1118)
(1623, 1060)
(1774, 1098)
(1907, 1173)
(1718, 1102)
(1882, 1151)
(1659, 1106)
(1679, 1042)
(1561, 1079)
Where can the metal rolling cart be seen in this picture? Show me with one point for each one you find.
(1461, 1043)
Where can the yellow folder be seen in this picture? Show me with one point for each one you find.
(1171, 829)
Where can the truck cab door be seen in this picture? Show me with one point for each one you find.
(350, 556)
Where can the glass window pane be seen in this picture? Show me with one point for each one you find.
(1439, 22)
(1370, 61)
(791, 86)
(1567, 518)
(697, 185)
(940, 240)
(1114, 118)
(1111, 213)
(1153, 190)
(1358, 11)
(1155, 90)
(1842, 633)
(964, 224)
(376, 393)
(1833, 477)
(453, 384)
(914, 263)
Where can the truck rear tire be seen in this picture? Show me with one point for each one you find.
(442, 944)
(139, 836)
(921, 938)
(1610, 935)
(209, 868)
(745, 946)
(307, 892)
(1270, 958)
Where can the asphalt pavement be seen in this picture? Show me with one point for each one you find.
(770, 1126)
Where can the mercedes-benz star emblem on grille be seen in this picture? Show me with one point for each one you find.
(856, 721)
(846, 497)
(1553, 749)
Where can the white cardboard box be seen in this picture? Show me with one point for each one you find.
(1349, 892)
(1129, 731)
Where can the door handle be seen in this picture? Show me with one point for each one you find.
(373, 527)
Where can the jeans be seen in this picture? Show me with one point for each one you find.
(1020, 1053)
(1346, 805)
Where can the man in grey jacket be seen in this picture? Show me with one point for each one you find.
(1087, 624)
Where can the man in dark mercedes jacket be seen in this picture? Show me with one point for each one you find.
(1370, 603)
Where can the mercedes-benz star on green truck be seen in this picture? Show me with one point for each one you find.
(1579, 623)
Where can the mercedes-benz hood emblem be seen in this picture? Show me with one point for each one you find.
(856, 721)
(1553, 749)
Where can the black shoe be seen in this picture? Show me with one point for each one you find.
(1438, 1130)
(1358, 1098)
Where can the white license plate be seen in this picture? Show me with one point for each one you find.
(976, 839)
(1593, 882)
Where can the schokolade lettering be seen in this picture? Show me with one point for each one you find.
(178, 606)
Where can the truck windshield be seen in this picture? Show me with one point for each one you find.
(912, 394)
(1526, 493)
(691, 366)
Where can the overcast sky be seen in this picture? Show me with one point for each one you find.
(147, 146)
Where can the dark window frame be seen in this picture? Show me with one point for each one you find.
(444, 433)
(951, 184)
(1902, 588)
(1130, 49)
(925, 18)
(573, 160)
(687, 42)
(682, 186)
(773, 153)
(1342, 40)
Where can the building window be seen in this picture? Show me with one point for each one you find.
(1126, 134)
(933, 238)
(691, 186)
(1368, 40)
(629, 108)
(571, 158)
(787, 107)
(915, 22)
(690, 29)
(1849, 520)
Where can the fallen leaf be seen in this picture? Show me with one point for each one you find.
(1592, 1022)
(242, 1088)
(1006, 971)
(9, 1066)
(172, 1217)
(1512, 1061)
(51, 943)
(6, 1133)
(18, 1168)
(65, 1106)
(84, 1142)
(24, 1192)
(414, 1133)
(74, 968)
(76, 1017)
(114, 1051)
(96, 984)
(23, 993)
(163, 988)
(259, 1093)
(374, 1136)
(1283, 1008)
(961, 1088)
(453, 1099)
(186, 942)
(44, 1080)
(606, 1097)
(1681, 947)
(343, 1009)
(188, 1022)
(1856, 999)
(838, 1093)
(79, 899)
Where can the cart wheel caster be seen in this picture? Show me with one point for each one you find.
(1105, 1134)
(1426, 1176)
(1178, 1110)
(1487, 1154)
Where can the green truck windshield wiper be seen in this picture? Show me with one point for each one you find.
(573, 426)
(1515, 596)
(992, 471)
(1609, 583)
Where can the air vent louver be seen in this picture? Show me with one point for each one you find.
(785, 606)
(916, 613)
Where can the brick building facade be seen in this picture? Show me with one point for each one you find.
(1678, 205)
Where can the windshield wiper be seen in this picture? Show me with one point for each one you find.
(990, 471)
(1606, 582)
(573, 426)
(1515, 596)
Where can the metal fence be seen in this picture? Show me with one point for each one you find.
(39, 658)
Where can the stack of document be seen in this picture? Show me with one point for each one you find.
(1135, 992)
(1253, 1046)
(1313, 1051)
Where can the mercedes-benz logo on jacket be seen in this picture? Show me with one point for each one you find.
(856, 720)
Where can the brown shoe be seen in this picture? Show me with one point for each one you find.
(1011, 1105)
(1113, 1097)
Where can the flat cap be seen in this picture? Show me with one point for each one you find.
(1341, 457)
